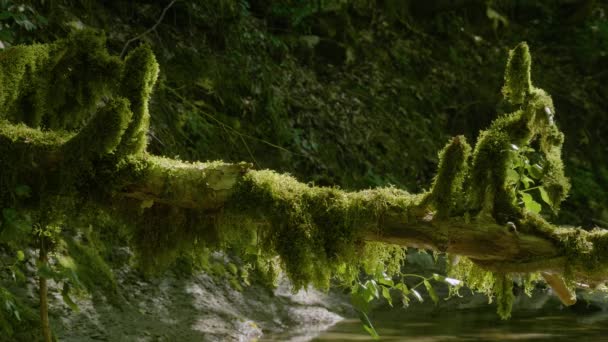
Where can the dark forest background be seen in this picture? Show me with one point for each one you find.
(352, 93)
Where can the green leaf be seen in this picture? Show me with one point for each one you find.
(417, 295)
(535, 171)
(403, 288)
(371, 331)
(20, 256)
(431, 291)
(512, 176)
(368, 326)
(526, 181)
(530, 204)
(545, 196)
(386, 281)
(405, 301)
(387, 295)
(372, 287)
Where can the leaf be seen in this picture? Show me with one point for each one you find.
(372, 287)
(453, 282)
(386, 281)
(368, 326)
(371, 331)
(387, 295)
(20, 256)
(417, 295)
(403, 288)
(358, 302)
(545, 196)
(431, 291)
(512, 176)
(405, 301)
(535, 171)
(530, 204)
(526, 181)
(449, 281)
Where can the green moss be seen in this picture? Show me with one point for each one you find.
(102, 133)
(491, 284)
(57, 86)
(446, 192)
(314, 230)
(530, 125)
(19, 69)
(138, 79)
(517, 75)
(503, 289)
(476, 278)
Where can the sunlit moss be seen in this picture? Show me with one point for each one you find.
(103, 132)
(316, 230)
(446, 192)
(531, 124)
(518, 82)
(138, 79)
(503, 289)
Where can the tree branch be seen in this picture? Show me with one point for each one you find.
(138, 37)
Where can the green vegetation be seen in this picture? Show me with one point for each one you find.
(330, 92)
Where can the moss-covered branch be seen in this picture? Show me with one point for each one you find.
(473, 208)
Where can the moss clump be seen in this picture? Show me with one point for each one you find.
(138, 79)
(503, 289)
(446, 192)
(518, 82)
(59, 85)
(102, 133)
(532, 125)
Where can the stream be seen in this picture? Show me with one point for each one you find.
(474, 325)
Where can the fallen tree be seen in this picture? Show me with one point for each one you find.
(72, 143)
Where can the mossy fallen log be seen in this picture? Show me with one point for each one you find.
(476, 207)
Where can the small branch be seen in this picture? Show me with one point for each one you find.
(136, 38)
(559, 287)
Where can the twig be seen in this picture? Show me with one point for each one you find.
(160, 19)
(226, 127)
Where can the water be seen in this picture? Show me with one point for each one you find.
(425, 323)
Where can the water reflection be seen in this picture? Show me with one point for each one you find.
(425, 323)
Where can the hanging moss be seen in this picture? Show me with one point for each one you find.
(314, 230)
(503, 289)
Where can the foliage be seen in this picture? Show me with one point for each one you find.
(16, 18)
(337, 92)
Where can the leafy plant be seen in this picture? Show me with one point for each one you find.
(363, 293)
(525, 178)
(15, 18)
